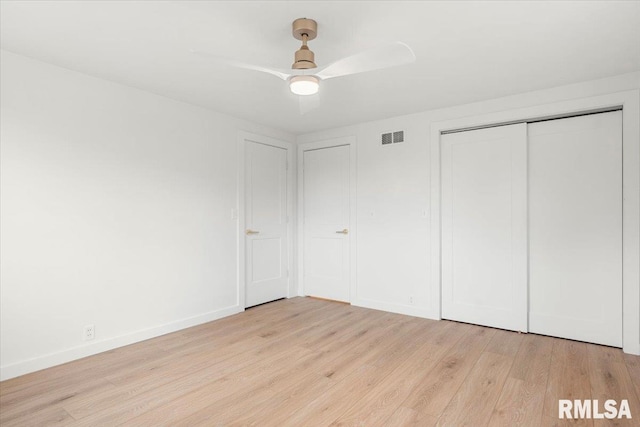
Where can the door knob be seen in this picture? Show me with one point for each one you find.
(249, 231)
(343, 231)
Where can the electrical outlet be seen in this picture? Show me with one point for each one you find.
(89, 332)
(410, 300)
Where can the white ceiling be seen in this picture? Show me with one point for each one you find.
(466, 51)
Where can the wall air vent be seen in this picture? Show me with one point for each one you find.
(392, 137)
(398, 136)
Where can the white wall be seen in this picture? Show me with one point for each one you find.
(394, 190)
(115, 211)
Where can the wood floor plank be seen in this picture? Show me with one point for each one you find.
(182, 376)
(223, 392)
(473, 403)
(375, 365)
(374, 348)
(533, 358)
(138, 397)
(261, 324)
(523, 396)
(54, 398)
(51, 416)
(181, 398)
(610, 380)
(633, 366)
(339, 398)
(436, 391)
(76, 373)
(548, 421)
(517, 404)
(505, 342)
(337, 362)
(408, 417)
(195, 352)
(386, 397)
(280, 407)
(327, 330)
(279, 384)
(568, 377)
(432, 342)
(287, 386)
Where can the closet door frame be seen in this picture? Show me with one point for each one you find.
(629, 102)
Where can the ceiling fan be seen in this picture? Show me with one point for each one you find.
(304, 77)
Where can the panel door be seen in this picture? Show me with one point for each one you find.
(484, 227)
(575, 228)
(266, 223)
(326, 222)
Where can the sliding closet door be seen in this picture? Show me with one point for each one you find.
(575, 228)
(484, 227)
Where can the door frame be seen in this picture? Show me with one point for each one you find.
(629, 101)
(328, 143)
(239, 213)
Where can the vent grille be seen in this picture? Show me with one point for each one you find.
(398, 136)
(392, 137)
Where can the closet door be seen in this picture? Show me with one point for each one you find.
(575, 228)
(484, 226)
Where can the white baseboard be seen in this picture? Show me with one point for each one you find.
(428, 313)
(42, 362)
(409, 310)
(631, 349)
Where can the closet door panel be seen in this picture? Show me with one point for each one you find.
(575, 228)
(484, 210)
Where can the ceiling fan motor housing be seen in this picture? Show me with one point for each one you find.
(304, 29)
(304, 59)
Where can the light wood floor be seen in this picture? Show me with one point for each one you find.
(307, 362)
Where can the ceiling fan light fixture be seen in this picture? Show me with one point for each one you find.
(304, 85)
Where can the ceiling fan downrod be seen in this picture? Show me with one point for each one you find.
(304, 29)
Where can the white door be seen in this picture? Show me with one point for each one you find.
(484, 227)
(266, 256)
(575, 228)
(326, 195)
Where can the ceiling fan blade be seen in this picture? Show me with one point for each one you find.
(385, 56)
(282, 74)
(308, 103)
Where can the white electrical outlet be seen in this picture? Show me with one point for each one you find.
(89, 332)
(410, 300)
